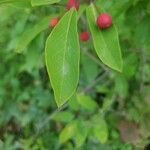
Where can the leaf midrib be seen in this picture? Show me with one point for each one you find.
(65, 54)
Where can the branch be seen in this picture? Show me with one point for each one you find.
(94, 82)
(45, 122)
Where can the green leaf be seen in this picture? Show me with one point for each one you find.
(31, 33)
(100, 129)
(121, 86)
(81, 133)
(73, 103)
(68, 132)
(17, 3)
(107, 104)
(62, 54)
(87, 102)
(22, 4)
(106, 42)
(63, 116)
(90, 69)
(43, 2)
(8, 1)
(31, 59)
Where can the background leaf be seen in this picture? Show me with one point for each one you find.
(17, 3)
(81, 133)
(31, 33)
(100, 129)
(87, 102)
(43, 2)
(68, 132)
(64, 116)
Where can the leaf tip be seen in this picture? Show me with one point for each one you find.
(120, 69)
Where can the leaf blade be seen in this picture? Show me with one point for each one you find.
(62, 55)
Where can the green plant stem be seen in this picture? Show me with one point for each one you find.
(40, 126)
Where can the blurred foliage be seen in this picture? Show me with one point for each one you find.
(111, 110)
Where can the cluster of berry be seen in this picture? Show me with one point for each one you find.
(104, 20)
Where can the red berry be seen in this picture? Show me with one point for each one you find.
(104, 21)
(53, 22)
(72, 3)
(84, 36)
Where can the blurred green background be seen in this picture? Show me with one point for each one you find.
(111, 110)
